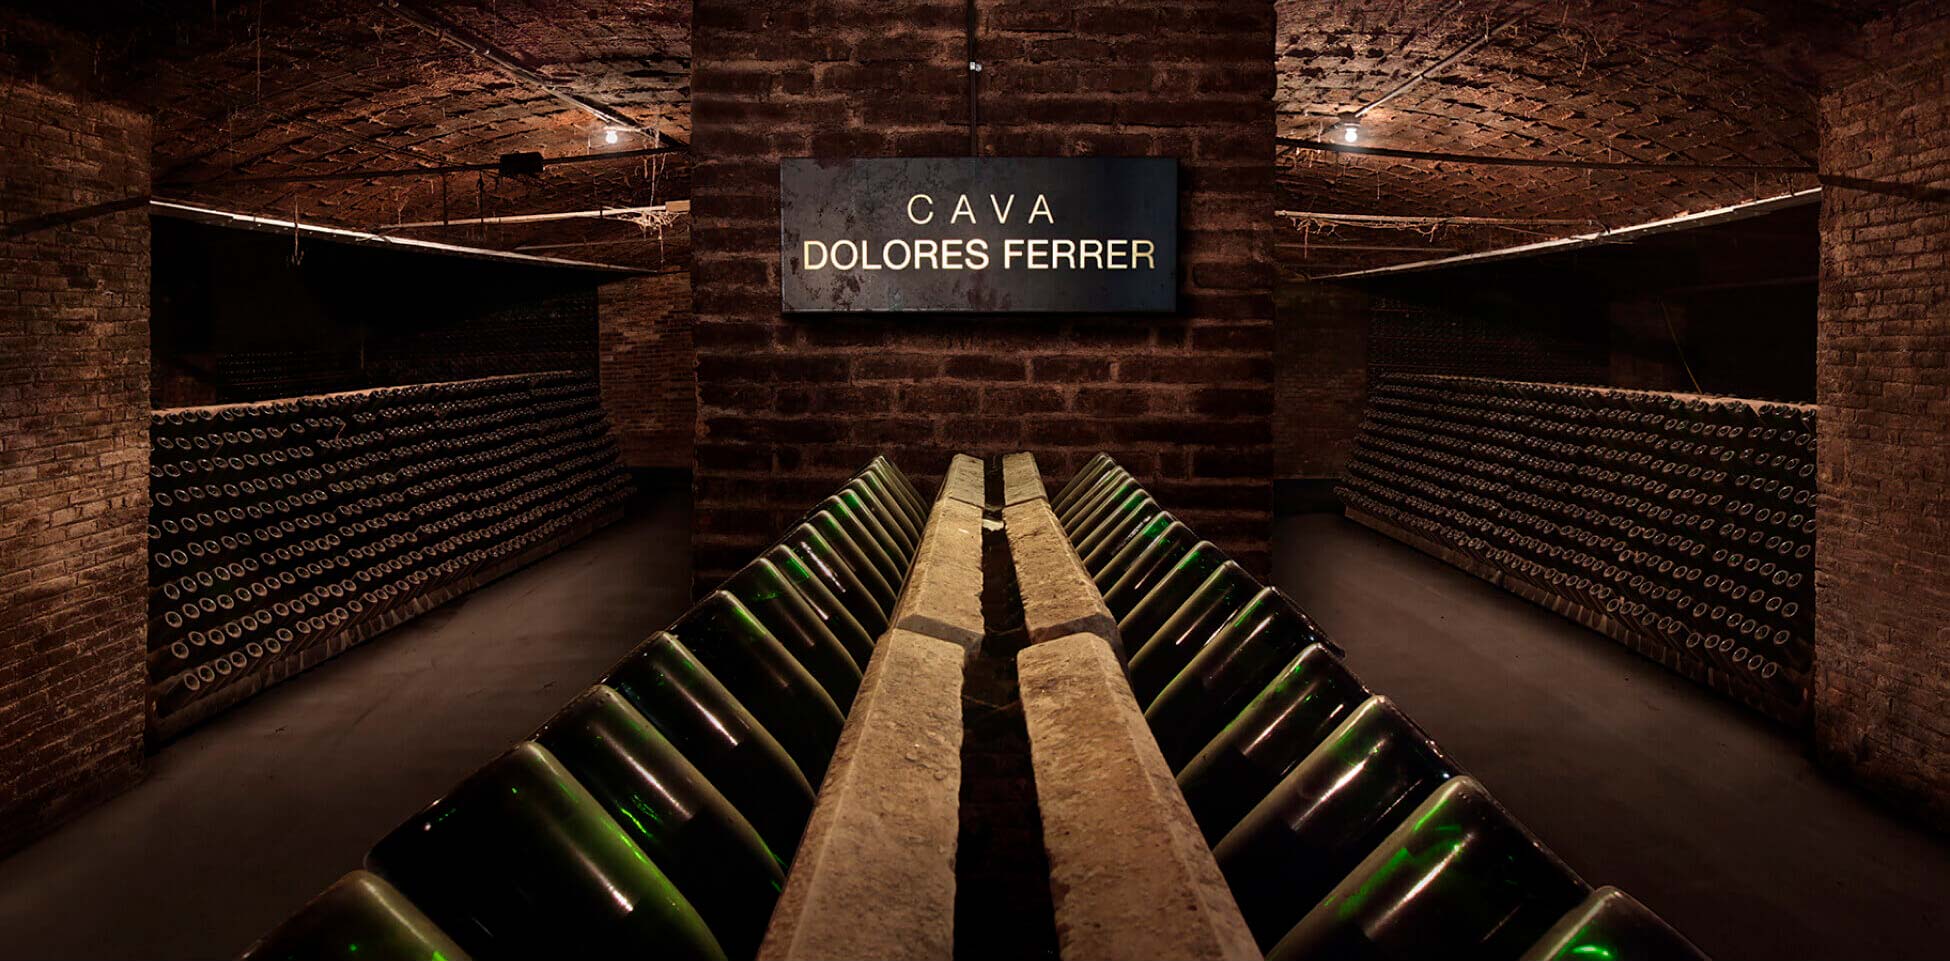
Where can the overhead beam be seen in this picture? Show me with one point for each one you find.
(212, 215)
(1740, 211)
(384, 173)
(506, 63)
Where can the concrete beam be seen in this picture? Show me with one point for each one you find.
(965, 481)
(1058, 597)
(1130, 873)
(943, 594)
(875, 873)
(1022, 480)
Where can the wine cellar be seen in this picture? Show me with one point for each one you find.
(1681, 526)
(1308, 480)
(282, 532)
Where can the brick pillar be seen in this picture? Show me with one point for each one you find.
(74, 461)
(789, 406)
(1882, 600)
(1322, 379)
(649, 377)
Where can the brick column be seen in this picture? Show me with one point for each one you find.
(789, 406)
(1322, 378)
(1882, 656)
(74, 418)
(649, 376)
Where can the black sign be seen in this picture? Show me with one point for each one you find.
(1086, 234)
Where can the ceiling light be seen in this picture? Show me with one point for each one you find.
(1350, 128)
(609, 136)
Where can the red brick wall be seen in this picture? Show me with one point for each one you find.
(1882, 682)
(787, 406)
(74, 388)
(649, 372)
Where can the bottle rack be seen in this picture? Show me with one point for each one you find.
(1680, 525)
(282, 532)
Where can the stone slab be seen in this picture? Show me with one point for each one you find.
(1022, 480)
(965, 481)
(875, 872)
(1130, 874)
(943, 594)
(1059, 598)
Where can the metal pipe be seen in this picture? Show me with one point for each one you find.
(599, 213)
(415, 171)
(1752, 208)
(1480, 159)
(170, 208)
(1430, 220)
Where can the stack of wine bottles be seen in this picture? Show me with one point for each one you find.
(281, 532)
(655, 815)
(1342, 829)
(1683, 526)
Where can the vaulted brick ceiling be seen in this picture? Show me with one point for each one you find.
(1658, 81)
(245, 91)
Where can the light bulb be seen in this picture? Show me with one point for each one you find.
(609, 136)
(1351, 132)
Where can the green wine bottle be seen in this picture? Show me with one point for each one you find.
(899, 478)
(1326, 814)
(1087, 519)
(713, 855)
(359, 916)
(901, 490)
(1309, 698)
(1196, 623)
(1153, 564)
(1458, 878)
(695, 713)
(841, 576)
(1170, 592)
(519, 861)
(1103, 543)
(885, 493)
(758, 670)
(892, 511)
(1083, 478)
(1114, 483)
(1612, 926)
(869, 516)
(1132, 548)
(1089, 530)
(818, 592)
(1224, 675)
(785, 612)
(892, 573)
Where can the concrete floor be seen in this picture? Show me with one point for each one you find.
(1635, 776)
(246, 817)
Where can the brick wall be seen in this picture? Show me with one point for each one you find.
(1882, 679)
(788, 406)
(74, 332)
(1322, 382)
(649, 373)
